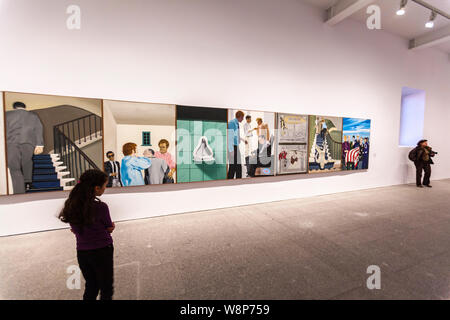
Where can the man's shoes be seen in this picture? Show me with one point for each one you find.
(428, 186)
(419, 186)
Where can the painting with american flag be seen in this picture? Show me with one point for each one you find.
(355, 144)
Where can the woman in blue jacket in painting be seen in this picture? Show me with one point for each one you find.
(132, 166)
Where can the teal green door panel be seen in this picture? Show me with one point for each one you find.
(187, 140)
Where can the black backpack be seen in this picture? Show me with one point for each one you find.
(413, 155)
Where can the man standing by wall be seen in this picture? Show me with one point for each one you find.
(421, 155)
(234, 156)
(24, 137)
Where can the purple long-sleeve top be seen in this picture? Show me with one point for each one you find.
(96, 235)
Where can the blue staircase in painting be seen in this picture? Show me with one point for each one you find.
(62, 167)
(323, 145)
(45, 176)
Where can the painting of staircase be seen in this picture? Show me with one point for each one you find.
(72, 142)
(68, 132)
(61, 168)
(325, 141)
(320, 158)
(49, 174)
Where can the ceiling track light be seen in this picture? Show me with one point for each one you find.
(430, 23)
(402, 10)
(425, 4)
(434, 11)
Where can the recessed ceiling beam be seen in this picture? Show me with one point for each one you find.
(431, 39)
(344, 9)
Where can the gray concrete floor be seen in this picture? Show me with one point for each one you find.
(314, 248)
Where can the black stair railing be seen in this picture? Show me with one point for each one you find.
(82, 129)
(334, 147)
(71, 155)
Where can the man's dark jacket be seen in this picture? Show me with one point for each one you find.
(109, 170)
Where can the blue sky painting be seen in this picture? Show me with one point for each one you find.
(356, 127)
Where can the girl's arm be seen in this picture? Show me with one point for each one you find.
(109, 225)
(111, 229)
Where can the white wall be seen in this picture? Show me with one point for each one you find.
(109, 131)
(262, 54)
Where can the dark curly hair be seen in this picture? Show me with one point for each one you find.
(78, 207)
(421, 141)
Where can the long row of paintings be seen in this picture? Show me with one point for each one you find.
(52, 140)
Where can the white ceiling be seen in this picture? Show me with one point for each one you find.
(409, 26)
(141, 113)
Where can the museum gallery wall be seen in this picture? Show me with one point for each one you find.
(52, 140)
